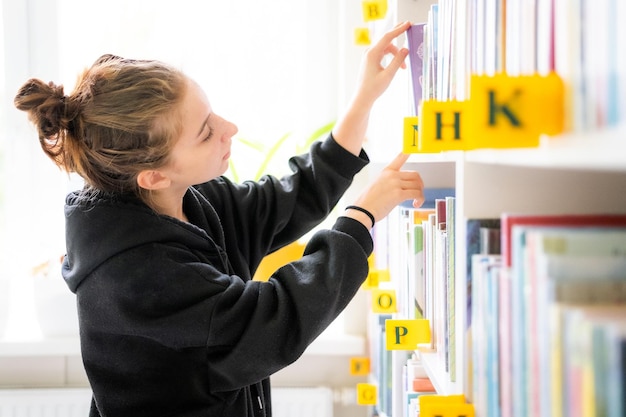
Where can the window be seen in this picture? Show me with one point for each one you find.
(270, 67)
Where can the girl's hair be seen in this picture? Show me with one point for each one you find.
(122, 118)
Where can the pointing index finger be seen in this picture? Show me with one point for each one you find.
(398, 161)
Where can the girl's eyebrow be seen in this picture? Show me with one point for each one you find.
(205, 123)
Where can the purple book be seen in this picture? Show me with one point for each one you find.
(415, 37)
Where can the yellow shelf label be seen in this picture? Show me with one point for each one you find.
(362, 36)
(406, 334)
(366, 394)
(445, 406)
(384, 301)
(503, 111)
(410, 140)
(512, 112)
(447, 410)
(425, 400)
(375, 277)
(444, 126)
(374, 10)
(383, 275)
(372, 281)
(359, 366)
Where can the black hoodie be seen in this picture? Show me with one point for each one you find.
(171, 323)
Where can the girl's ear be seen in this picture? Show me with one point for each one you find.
(152, 180)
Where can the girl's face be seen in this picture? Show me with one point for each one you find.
(201, 152)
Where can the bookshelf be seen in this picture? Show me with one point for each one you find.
(579, 171)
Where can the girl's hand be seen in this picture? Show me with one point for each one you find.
(392, 187)
(374, 78)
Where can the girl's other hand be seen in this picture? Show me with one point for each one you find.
(374, 78)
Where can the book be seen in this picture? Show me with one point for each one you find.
(569, 279)
(595, 62)
(568, 61)
(427, 92)
(545, 31)
(432, 194)
(415, 41)
(461, 50)
(418, 264)
(513, 35)
(508, 220)
(608, 371)
(616, 378)
(492, 353)
(476, 231)
(428, 228)
(504, 346)
(576, 324)
(440, 281)
(445, 48)
(450, 277)
(382, 363)
(433, 45)
(485, 369)
(531, 246)
(411, 286)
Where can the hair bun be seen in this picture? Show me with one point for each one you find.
(46, 105)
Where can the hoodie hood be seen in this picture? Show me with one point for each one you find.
(99, 228)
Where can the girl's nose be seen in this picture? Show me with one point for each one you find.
(233, 129)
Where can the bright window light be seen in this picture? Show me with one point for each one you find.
(269, 76)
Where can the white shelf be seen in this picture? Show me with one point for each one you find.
(435, 369)
(586, 151)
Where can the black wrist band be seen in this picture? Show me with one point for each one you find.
(362, 210)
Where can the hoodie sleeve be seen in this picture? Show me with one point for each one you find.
(257, 328)
(261, 217)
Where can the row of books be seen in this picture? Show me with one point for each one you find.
(403, 239)
(546, 314)
(399, 376)
(553, 269)
(545, 330)
(426, 260)
(577, 39)
(420, 247)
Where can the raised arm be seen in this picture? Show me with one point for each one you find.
(374, 78)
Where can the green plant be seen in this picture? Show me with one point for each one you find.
(268, 151)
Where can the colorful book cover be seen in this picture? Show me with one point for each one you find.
(510, 219)
(433, 38)
(482, 342)
(415, 37)
(492, 354)
(450, 276)
(576, 326)
(440, 281)
(427, 92)
(504, 347)
(428, 227)
(419, 297)
(513, 37)
(528, 243)
(445, 47)
(616, 356)
(474, 245)
(608, 368)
